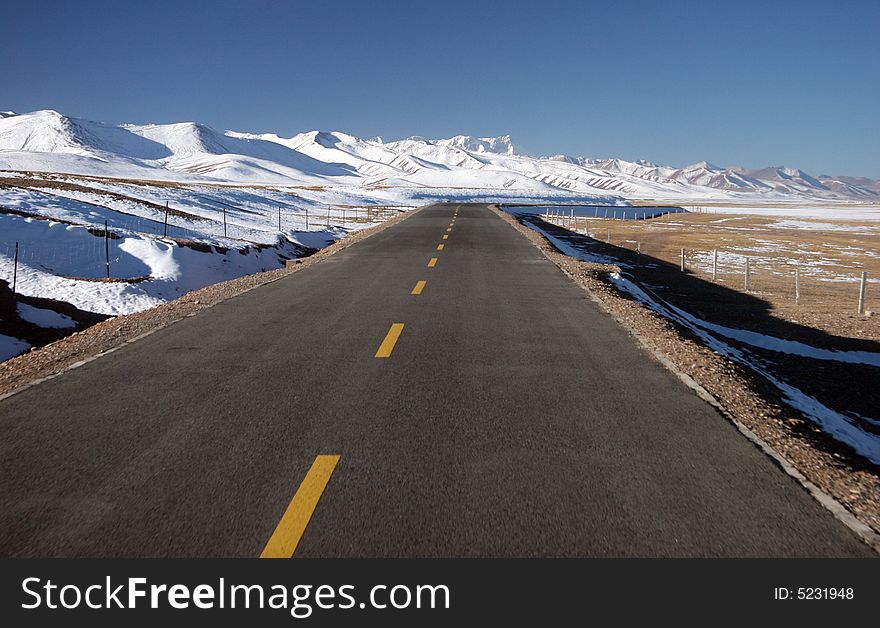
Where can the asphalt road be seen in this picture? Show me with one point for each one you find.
(510, 418)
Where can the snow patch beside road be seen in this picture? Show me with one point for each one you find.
(11, 347)
(48, 319)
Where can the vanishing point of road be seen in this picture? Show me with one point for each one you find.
(437, 389)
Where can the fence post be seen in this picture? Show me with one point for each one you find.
(107, 249)
(165, 229)
(747, 274)
(682, 259)
(862, 292)
(714, 264)
(797, 285)
(15, 269)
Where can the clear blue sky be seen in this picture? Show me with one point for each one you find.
(747, 83)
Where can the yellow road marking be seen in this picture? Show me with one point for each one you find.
(446, 236)
(439, 247)
(391, 337)
(449, 229)
(420, 285)
(432, 263)
(283, 542)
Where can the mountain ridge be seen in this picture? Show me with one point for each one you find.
(48, 140)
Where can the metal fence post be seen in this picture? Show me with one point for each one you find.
(747, 275)
(15, 269)
(107, 248)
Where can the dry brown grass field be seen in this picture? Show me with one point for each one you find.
(829, 255)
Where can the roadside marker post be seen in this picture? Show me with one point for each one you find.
(797, 285)
(862, 292)
(682, 259)
(165, 229)
(714, 264)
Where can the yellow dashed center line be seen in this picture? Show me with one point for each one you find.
(420, 285)
(391, 337)
(283, 542)
(440, 247)
(446, 236)
(432, 262)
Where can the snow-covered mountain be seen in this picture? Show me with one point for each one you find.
(50, 141)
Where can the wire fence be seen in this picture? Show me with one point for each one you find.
(805, 281)
(93, 251)
(572, 216)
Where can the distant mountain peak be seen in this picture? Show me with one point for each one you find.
(704, 165)
(501, 145)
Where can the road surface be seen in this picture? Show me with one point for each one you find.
(381, 404)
